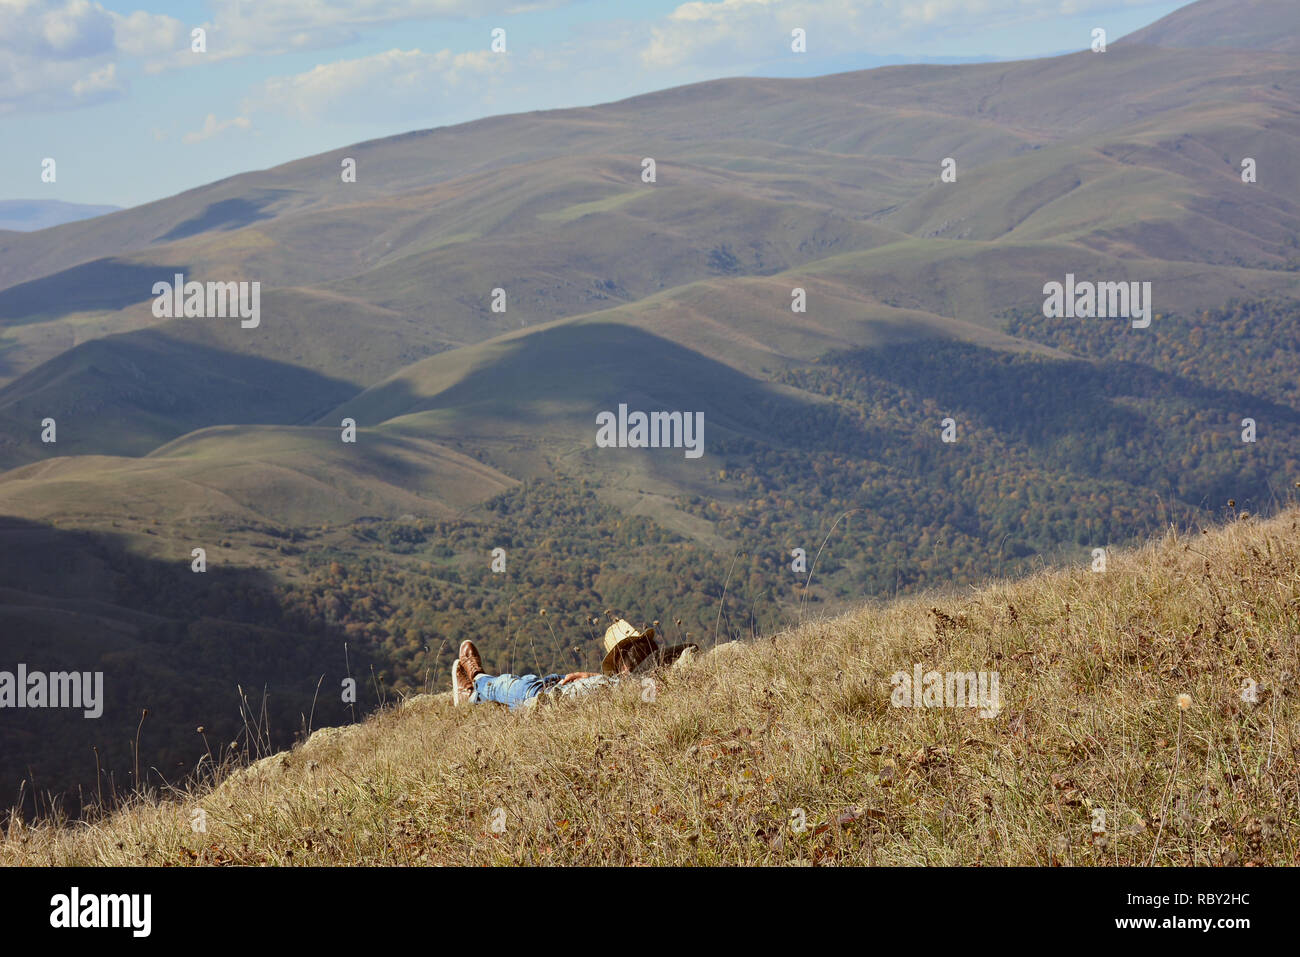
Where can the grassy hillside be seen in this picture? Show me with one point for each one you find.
(823, 428)
(226, 475)
(1122, 735)
(130, 394)
(1248, 24)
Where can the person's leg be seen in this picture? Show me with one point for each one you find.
(512, 690)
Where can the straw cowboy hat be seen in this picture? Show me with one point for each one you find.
(638, 648)
(622, 640)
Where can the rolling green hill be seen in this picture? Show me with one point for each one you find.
(289, 476)
(130, 393)
(1131, 155)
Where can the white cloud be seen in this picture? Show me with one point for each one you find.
(32, 84)
(98, 83)
(59, 54)
(149, 34)
(211, 127)
(738, 34)
(383, 86)
(241, 28)
(71, 30)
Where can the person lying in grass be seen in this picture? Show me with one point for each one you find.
(627, 652)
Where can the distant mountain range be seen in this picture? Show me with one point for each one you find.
(381, 304)
(26, 215)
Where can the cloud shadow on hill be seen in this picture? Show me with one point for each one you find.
(227, 214)
(101, 285)
(127, 394)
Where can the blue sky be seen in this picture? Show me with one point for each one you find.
(113, 93)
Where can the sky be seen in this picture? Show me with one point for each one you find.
(116, 95)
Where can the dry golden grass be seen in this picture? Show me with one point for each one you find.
(1091, 669)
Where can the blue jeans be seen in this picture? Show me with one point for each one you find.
(512, 690)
